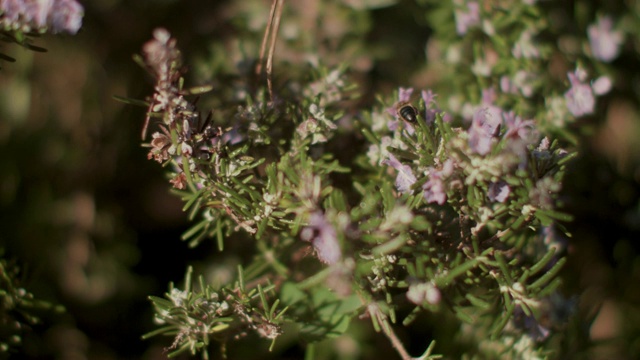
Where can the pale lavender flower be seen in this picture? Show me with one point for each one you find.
(12, 10)
(36, 12)
(429, 98)
(498, 191)
(605, 42)
(323, 237)
(42, 15)
(579, 98)
(467, 19)
(404, 94)
(489, 96)
(484, 127)
(507, 86)
(434, 190)
(405, 178)
(160, 53)
(602, 85)
(66, 16)
(518, 128)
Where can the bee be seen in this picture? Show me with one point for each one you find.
(407, 112)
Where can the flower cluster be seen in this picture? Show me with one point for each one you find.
(519, 60)
(185, 136)
(41, 16)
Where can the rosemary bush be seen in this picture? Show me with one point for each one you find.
(366, 198)
(429, 201)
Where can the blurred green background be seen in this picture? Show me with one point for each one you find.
(91, 222)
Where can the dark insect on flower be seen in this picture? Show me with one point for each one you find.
(408, 113)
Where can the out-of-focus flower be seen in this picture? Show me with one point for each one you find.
(66, 16)
(434, 190)
(580, 99)
(522, 81)
(524, 47)
(41, 15)
(542, 195)
(557, 113)
(160, 53)
(481, 67)
(518, 128)
(378, 153)
(316, 126)
(602, 85)
(310, 127)
(329, 89)
(498, 191)
(404, 94)
(424, 292)
(405, 177)
(484, 126)
(467, 18)
(323, 237)
(605, 42)
(429, 102)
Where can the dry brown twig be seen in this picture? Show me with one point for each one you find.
(270, 35)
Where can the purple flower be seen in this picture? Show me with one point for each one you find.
(467, 19)
(12, 9)
(323, 237)
(405, 177)
(66, 16)
(434, 190)
(522, 81)
(404, 94)
(59, 15)
(601, 85)
(484, 127)
(518, 128)
(429, 98)
(498, 191)
(36, 12)
(489, 96)
(579, 98)
(605, 42)
(507, 86)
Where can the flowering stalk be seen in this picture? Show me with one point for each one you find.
(21, 18)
